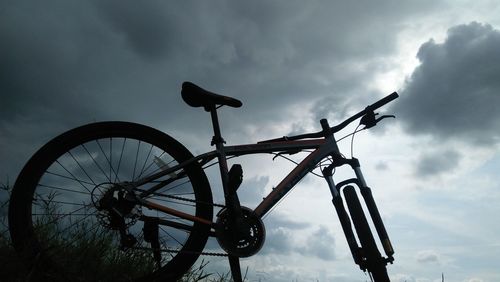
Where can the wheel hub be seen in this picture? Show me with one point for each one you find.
(115, 210)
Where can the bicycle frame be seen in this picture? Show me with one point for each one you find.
(324, 145)
(322, 148)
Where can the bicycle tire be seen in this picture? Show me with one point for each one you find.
(372, 259)
(68, 166)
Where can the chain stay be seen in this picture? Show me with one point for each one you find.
(192, 201)
(188, 200)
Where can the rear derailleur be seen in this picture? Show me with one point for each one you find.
(118, 210)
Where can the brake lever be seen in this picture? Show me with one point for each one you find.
(384, 116)
(369, 120)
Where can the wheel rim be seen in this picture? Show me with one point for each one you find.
(64, 213)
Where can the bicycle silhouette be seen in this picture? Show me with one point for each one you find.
(149, 197)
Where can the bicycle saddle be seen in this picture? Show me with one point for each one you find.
(196, 96)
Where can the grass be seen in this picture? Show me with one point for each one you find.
(90, 257)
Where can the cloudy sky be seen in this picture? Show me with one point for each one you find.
(434, 169)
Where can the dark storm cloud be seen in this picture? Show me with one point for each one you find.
(146, 28)
(455, 92)
(280, 232)
(278, 241)
(321, 244)
(282, 221)
(281, 238)
(252, 190)
(55, 65)
(436, 163)
(39, 58)
(65, 63)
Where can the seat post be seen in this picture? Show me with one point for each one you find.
(217, 139)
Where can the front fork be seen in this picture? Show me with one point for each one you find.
(345, 220)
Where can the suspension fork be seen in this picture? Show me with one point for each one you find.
(367, 197)
(366, 192)
(345, 221)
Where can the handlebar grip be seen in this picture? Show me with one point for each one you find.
(371, 108)
(384, 100)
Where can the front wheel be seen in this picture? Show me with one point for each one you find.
(70, 219)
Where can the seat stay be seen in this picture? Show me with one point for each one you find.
(200, 159)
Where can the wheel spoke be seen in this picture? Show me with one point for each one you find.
(63, 189)
(73, 176)
(120, 161)
(136, 157)
(96, 163)
(152, 163)
(84, 198)
(145, 161)
(70, 178)
(106, 157)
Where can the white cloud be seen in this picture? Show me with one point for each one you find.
(427, 256)
(474, 280)
(453, 92)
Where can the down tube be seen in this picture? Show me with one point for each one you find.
(304, 167)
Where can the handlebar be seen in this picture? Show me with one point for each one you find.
(385, 100)
(368, 109)
(342, 125)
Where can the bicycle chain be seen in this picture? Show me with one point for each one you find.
(213, 254)
(190, 200)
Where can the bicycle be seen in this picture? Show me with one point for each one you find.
(149, 198)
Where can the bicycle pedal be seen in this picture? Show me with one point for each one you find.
(235, 177)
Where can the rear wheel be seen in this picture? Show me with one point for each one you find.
(371, 259)
(70, 213)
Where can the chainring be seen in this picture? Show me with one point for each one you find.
(245, 240)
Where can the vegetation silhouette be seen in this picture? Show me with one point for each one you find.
(82, 260)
